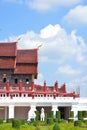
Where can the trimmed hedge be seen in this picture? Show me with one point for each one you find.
(71, 114)
(85, 121)
(50, 121)
(37, 115)
(9, 120)
(80, 117)
(56, 127)
(1, 121)
(77, 123)
(35, 123)
(51, 114)
(71, 118)
(16, 123)
(32, 120)
(22, 121)
(58, 116)
(56, 120)
(63, 121)
(84, 114)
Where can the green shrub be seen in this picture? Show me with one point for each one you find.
(22, 121)
(56, 120)
(71, 118)
(35, 123)
(51, 114)
(1, 121)
(32, 120)
(85, 121)
(77, 123)
(63, 121)
(16, 123)
(42, 123)
(37, 115)
(84, 114)
(9, 120)
(37, 128)
(80, 115)
(58, 116)
(71, 114)
(56, 127)
(50, 121)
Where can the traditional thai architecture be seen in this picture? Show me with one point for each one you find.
(20, 97)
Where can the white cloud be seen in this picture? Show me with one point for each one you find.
(62, 46)
(77, 15)
(51, 31)
(45, 5)
(28, 40)
(59, 49)
(68, 70)
(58, 46)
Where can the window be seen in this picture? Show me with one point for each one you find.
(24, 95)
(27, 81)
(4, 80)
(16, 81)
(16, 95)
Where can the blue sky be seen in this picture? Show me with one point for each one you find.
(60, 27)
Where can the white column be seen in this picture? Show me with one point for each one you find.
(54, 109)
(31, 112)
(5, 113)
(11, 111)
(75, 109)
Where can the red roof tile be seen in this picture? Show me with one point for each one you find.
(23, 61)
(8, 49)
(25, 69)
(6, 63)
(27, 56)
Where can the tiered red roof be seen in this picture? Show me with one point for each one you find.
(7, 63)
(22, 61)
(8, 49)
(27, 56)
(8, 52)
(26, 62)
(25, 69)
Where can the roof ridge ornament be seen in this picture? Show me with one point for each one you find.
(39, 46)
(19, 38)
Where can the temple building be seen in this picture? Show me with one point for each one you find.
(20, 97)
(17, 64)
